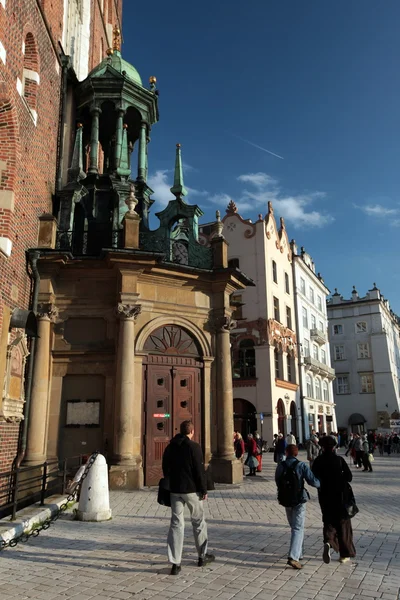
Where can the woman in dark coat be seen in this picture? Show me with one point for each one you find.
(334, 475)
(252, 451)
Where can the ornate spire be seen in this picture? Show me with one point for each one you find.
(123, 166)
(116, 39)
(132, 201)
(218, 226)
(283, 226)
(231, 209)
(270, 208)
(178, 189)
(76, 172)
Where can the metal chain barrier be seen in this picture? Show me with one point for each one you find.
(24, 537)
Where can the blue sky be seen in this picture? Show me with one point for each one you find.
(316, 82)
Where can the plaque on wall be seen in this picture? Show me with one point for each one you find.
(83, 413)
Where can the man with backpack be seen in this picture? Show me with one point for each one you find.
(289, 477)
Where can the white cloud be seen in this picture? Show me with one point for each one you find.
(161, 186)
(378, 210)
(293, 207)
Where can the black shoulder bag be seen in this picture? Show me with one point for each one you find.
(349, 502)
(164, 494)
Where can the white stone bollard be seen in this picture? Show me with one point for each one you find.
(94, 501)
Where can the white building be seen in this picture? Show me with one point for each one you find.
(365, 347)
(316, 373)
(264, 343)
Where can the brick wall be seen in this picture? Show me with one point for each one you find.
(30, 84)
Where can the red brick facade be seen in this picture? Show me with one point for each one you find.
(30, 90)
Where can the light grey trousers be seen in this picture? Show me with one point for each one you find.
(177, 527)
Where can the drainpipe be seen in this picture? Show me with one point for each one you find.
(299, 361)
(65, 62)
(32, 258)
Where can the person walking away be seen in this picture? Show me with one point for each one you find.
(365, 458)
(334, 475)
(313, 449)
(258, 439)
(275, 440)
(289, 477)
(238, 445)
(290, 439)
(183, 465)
(371, 442)
(379, 443)
(358, 448)
(396, 443)
(279, 452)
(251, 460)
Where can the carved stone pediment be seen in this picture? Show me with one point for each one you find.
(13, 396)
(282, 336)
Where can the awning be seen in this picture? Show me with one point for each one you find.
(357, 419)
(24, 319)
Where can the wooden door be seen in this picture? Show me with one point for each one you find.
(172, 396)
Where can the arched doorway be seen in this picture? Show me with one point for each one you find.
(281, 416)
(244, 415)
(172, 392)
(293, 414)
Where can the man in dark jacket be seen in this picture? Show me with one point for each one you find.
(183, 465)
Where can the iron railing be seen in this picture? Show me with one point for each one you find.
(24, 486)
(90, 242)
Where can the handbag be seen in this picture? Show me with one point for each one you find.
(371, 457)
(164, 494)
(349, 502)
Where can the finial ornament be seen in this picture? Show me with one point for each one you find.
(218, 226)
(132, 201)
(231, 208)
(270, 208)
(260, 217)
(283, 226)
(152, 81)
(116, 39)
(178, 189)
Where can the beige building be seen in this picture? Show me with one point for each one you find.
(264, 343)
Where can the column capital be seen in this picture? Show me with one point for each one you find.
(95, 109)
(221, 323)
(128, 311)
(47, 311)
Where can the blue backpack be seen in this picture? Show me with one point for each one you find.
(290, 490)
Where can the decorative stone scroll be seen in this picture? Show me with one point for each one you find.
(221, 323)
(285, 337)
(128, 311)
(47, 310)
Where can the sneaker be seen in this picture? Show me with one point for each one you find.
(294, 563)
(176, 569)
(326, 555)
(344, 559)
(205, 560)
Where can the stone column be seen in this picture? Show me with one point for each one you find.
(94, 140)
(225, 467)
(127, 473)
(36, 448)
(142, 152)
(118, 136)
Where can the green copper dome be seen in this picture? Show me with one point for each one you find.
(116, 62)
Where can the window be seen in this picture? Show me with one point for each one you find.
(237, 305)
(319, 302)
(306, 345)
(289, 367)
(233, 263)
(342, 382)
(288, 317)
(313, 322)
(321, 326)
(315, 351)
(323, 357)
(367, 384)
(339, 352)
(276, 309)
(302, 286)
(287, 287)
(30, 74)
(326, 391)
(278, 364)
(363, 350)
(245, 367)
(337, 329)
(309, 386)
(318, 388)
(274, 272)
(361, 327)
(311, 292)
(305, 318)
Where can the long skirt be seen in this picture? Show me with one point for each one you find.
(339, 534)
(259, 460)
(251, 462)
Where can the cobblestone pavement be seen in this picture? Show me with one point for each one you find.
(126, 557)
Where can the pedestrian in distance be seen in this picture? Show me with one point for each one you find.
(334, 476)
(238, 444)
(366, 455)
(290, 439)
(259, 443)
(252, 452)
(313, 449)
(289, 477)
(359, 451)
(280, 447)
(183, 464)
